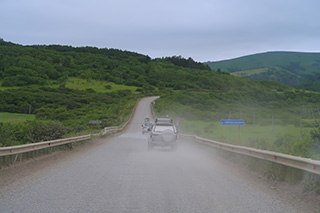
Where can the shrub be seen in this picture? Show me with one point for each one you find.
(108, 86)
(46, 131)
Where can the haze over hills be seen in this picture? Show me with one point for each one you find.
(297, 69)
(64, 87)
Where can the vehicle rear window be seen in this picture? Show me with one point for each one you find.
(162, 128)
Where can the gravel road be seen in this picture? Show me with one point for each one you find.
(119, 174)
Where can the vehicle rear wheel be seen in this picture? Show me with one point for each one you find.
(168, 135)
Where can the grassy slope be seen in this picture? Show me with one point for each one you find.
(83, 84)
(269, 59)
(301, 67)
(98, 86)
(312, 86)
(221, 94)
(214, 130)
(200, 114)
(14, 118)
(72, 83)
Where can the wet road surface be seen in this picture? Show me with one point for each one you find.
(121, 175)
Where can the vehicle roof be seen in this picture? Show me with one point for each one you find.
(163, 124)
(164, 120)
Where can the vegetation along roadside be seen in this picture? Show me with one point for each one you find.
(62, 88)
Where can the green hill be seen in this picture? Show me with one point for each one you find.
(64, 87)
(57, 90)
(290, 68)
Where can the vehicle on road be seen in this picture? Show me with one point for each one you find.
(164, 120)
(163, 134)
(147, 119)
(146, 127)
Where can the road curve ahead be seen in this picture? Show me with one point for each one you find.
(119, 174)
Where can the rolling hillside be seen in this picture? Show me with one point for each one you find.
(64, 87)
(291, 68)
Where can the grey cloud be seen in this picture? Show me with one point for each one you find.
(202, 29)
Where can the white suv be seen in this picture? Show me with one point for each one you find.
(163, 134)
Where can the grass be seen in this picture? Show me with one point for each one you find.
(83, 84)
(230, 134)
(14, 118)
(214, 130)
(249, 72)
(98, 86)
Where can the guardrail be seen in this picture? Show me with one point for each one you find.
(107, 130)
(16, 151)
(13, 150)
(305, 164)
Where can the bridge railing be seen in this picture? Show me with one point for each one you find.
(305, 164)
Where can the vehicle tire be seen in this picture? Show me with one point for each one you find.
(168, 135)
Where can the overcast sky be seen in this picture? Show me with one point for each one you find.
(205, 30)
